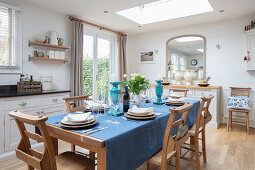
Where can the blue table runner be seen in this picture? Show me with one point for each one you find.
(129, 144)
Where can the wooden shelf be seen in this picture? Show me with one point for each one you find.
(48, 59)
(47, 45)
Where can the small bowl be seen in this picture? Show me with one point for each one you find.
(165, 83)
(203, 84)
(39, 38)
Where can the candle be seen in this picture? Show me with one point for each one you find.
(159, 77)
(114, 78)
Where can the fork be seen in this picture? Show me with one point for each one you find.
(93, 131)
(130, 120)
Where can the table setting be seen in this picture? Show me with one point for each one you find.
(131, 136)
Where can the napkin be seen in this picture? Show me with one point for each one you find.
(175, 100)
(90, 104)
(136, 109)
(78, 117)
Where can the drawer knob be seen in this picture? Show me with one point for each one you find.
(22, 103)
(54, 100)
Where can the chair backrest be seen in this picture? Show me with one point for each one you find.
(32, 157)
(244, 91)
(169, 143)
(181, 91)
(68, 101)
(203, 115)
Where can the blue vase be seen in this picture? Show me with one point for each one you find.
(115, 97)
(159, 92)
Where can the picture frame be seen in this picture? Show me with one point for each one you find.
(147, 56)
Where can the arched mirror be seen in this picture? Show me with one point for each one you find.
(186, 59)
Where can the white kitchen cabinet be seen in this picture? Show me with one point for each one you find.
(250, 37)
(47, 104)
(197, 93)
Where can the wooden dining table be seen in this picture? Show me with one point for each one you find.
(120, 145)
(94, 145)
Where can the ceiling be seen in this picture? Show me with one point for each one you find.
(93, 11)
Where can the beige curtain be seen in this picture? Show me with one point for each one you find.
(122, 41)
(77, 52)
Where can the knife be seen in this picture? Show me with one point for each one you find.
(85, 131)
(93, 131)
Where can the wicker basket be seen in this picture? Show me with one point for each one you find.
(27, 86)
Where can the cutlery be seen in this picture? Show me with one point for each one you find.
(56, 123)
(85, 131)
(158, 114)
(93, 131)
(130, 120)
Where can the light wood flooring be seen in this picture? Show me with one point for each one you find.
(233, 150)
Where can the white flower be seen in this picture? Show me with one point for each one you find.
(132, 75)
(143, 77)
(133, 78)
(125, 75)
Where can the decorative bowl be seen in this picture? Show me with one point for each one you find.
(165, 83)
(39, 38)
(203, 84)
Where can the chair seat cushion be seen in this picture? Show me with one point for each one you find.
(71, 160)
(239, 103)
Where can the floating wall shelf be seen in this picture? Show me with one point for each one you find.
(48, 59)
(30, 43)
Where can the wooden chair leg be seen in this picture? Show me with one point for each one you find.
(192, 140)
(148, 165)
(197, 153)
(30, 167)
(178, 159)
(228, 119)
(231, 119)
(72, 147)
(203, 145)
(247, 123)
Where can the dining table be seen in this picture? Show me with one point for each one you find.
(124, 143)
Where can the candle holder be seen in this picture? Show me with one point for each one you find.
(115, 97)
(159, 92)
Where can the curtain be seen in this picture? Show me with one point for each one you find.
(122, 40)
(77, 85)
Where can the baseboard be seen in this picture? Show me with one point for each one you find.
(225, 121)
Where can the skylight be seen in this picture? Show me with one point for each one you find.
(200, 50)
(187, 39)
(165, 10)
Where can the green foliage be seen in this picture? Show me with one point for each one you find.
(137, 83)
(102, 76)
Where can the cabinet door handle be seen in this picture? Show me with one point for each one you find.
(22, 103)
(42, 113)
(54, 100)
(38, 113)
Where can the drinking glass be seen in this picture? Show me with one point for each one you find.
(95, 111)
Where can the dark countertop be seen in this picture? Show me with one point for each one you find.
(11, 91)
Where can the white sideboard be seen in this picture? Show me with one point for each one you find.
(197, 93)
(44, 104)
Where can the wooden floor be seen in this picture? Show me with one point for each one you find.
(233, 150)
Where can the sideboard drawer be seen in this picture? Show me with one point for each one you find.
(21, 103)
(198, 93)
(53, 100)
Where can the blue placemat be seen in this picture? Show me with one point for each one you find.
(129, 144)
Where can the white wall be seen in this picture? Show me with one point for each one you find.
(40, 21)
(224, 65)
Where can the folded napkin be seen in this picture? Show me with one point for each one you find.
(173, 95)
(175, 100)
(90, 104)
(78, 117)
(136, 109)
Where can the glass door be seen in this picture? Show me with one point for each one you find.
(97, 56)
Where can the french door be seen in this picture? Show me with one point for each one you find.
(97, 64)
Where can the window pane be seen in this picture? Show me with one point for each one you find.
(103, 61)
(4, 36)
(88, 64)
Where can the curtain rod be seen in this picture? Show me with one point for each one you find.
(95, 25)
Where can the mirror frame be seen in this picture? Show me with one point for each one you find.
(188, 35)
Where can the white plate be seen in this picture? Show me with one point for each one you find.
(90, 120)
(149, 114)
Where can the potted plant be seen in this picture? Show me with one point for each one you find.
(136, 85)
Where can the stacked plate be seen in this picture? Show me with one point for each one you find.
(140, 113)
(175, 102)
(78, 120)
(97, 106)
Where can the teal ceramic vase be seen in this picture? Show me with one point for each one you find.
(115, 97)
(159, 92)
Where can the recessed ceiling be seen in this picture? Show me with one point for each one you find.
(93, 11)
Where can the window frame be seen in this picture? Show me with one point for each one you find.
(18, 68)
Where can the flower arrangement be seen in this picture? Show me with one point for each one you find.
(136, 83)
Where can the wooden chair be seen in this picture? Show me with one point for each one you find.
(244, 92)
(181, 91)
(172, 144)
(47, 159)
(203, 117)
(70, 101)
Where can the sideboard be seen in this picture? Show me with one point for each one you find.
(196, 92)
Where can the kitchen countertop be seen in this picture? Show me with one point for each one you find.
(11, 91)
(189, 87)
